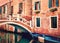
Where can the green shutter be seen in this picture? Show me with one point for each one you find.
(57, 3)
(0, 10)
(50, 3)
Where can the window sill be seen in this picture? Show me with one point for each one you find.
(53, 28)
(37, 11)
(53, 9)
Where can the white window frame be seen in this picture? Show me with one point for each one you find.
(36, 21)
(5, 9)
(50, 22)
(33, 23)
(39, 5)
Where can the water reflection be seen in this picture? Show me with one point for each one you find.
(21, 36)
(6, 37)
(15, 37)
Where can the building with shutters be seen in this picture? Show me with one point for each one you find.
(45, 17)
(15, 8)
(43, 14)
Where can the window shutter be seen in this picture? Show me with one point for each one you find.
(0, 10)
(57, 3)
(50, 3)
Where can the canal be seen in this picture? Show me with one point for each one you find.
(24, 36)
(14, 37)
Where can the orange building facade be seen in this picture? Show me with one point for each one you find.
(47, 14)
(44, 15)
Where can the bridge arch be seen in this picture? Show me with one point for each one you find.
(17, 24)
(24, 36)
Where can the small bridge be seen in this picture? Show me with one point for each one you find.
(19, 25)
(27, 28)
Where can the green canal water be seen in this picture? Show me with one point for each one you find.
(15, 38)
(12, 38)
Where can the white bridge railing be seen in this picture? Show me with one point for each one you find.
(17, 18)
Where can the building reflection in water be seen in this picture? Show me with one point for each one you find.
(10, 38)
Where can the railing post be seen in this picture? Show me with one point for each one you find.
(17, 17)
(30, 23)
(9, 17)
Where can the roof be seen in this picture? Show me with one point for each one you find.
(2, 2)
(28, 18)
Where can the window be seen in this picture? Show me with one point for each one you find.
(53, 3)
(0, 10)
(11, 10)
(20, 8)
(57, 3)
(4, 9)
(50, 3)
(53, 22)
(37, 5)
(38, 22)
